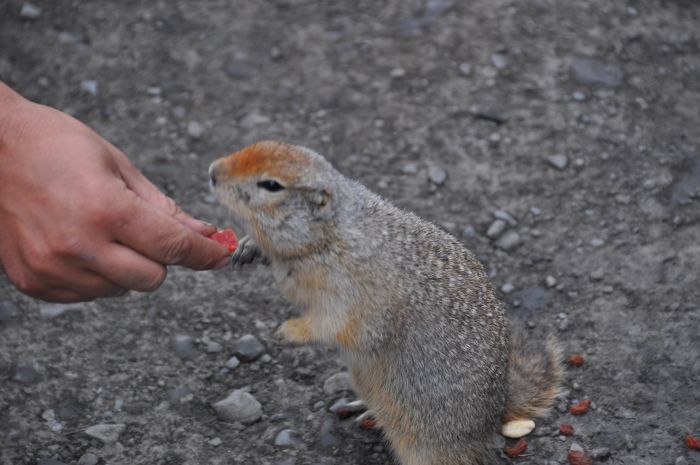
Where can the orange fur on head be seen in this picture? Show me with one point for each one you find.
(267, 158)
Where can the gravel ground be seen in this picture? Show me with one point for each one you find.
(558, 140)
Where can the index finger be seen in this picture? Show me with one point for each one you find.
(160, 237)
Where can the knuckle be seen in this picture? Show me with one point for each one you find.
(176, 249)
(171, 207)
(24, 282)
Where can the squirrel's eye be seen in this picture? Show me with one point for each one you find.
(271, 185)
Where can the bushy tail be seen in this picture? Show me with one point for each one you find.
(534, 378)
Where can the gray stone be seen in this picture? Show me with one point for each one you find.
(437, 175)
(578, 96)
(575, 447)
(179, 394)
(338, 382)
(51, 311)
(288, 438)
(327, 435)
(212, 347)
(89, 86)
(239, 406)
(505, 216)
(499, 60)
(597, 242)
(409, 168)
(398, 73)
(507, 288)
(594, 72)
(249, 348)
(600, 453)
(216, 442)
(107, 433)
(496, 229)
(465, 69)
(49, 462)
(26, 372)
(563, 324)
(238, 70)
(536, 211)
(550, 281)
(681, 461)
(509, 241)
(88, 459)
(233, 363)
(50, 417)
(597, 275)
(29, 11)
(469, 232)
(195, 129)
(8, 310)
(184, 347)
(254, 119)
(558, 161)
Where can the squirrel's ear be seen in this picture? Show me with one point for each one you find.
(321, 201)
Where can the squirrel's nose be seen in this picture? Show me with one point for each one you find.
(212, 174)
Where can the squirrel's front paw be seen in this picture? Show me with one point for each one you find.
(248, 252)
(296, 330)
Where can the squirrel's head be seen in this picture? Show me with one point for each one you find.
(283, 195)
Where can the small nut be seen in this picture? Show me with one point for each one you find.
(517, 428)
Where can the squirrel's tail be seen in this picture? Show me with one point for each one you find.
(534, 377)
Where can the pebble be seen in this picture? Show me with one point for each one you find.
(288, 438)
(507, 288)
(195, 129)
(499, 60)
(597, 242)
(49, 462)
(437, 175)
(88, 459)
(29, 11)
(597, 275)
(509, 241)
(107, 433)
(409, 168)
(51, 421)
(550, 281)
(180, 394)
(469, 232)
(600, 453)
(233, 363)
(239, 406)
(337, 383)
(216, 442)
(184, 347)
(579, 96)
(212, 346)
(26, 372)
(51, 311)
(266, 358)
(249, 348)
(255, 119)
(327, 435)
(465, 69)
(591, 71)
(89, 86)
(496, 228)
(505, 216)
(238, 69)
(575, 447)
(536, 211)
(681, 461)
(558, 161)
(8, 310)
(563, 324)
(398, 73)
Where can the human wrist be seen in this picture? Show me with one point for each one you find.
(11, 109)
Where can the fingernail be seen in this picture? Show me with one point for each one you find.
(207, 225)
(222, 263)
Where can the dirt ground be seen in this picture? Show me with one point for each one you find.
(604, 238)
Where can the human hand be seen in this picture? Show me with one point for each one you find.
(78, 220)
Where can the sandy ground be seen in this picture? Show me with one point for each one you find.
(396, 94)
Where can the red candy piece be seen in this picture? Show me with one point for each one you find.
(226, 237)
(577, 360)
(368, 423)
(580, 408)
(566, 429)
(693, 442)
(578, 458)
(517, 449)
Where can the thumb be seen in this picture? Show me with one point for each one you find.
(145, 189)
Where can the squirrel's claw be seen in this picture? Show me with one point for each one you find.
(248, 252)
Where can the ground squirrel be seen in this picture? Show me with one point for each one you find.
(427, 342)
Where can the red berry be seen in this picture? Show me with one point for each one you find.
(578, 458)
(566, 429)
(226, 237)
(693, 442)
(577, 360)
(368, 423)
(517, 449)
(580, 408)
